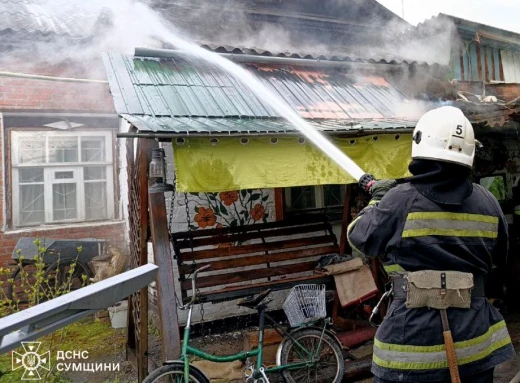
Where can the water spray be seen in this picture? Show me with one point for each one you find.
(260, 90)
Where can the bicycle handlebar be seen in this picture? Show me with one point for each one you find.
(193, 287)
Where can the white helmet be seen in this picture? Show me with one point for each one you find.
(444, 134)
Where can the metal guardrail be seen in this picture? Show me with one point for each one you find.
(42, 319)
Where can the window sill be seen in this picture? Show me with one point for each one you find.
(36, 229)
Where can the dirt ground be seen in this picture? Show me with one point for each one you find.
(234, 341)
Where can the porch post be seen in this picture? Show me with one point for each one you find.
(170, 342)
(343, 243)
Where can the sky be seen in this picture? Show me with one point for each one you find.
(503, 14)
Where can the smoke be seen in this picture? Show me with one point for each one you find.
(357, 28)
(279, 27)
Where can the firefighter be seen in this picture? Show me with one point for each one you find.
(437, 220)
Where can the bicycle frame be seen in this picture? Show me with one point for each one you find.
(188, 350)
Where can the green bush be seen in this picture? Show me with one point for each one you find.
(29, 285)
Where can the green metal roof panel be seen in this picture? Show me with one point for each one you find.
(237, 126)
(184, 86)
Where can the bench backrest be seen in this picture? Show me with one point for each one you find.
(243, 256)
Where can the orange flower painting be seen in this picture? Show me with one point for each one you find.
(205, 217)
(229, 209)
(257, 212)
(229, 198)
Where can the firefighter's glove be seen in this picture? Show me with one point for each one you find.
(379, 188)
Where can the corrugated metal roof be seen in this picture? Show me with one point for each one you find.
(376, 56)
(61, 17)
(238, 126)
(187, 87)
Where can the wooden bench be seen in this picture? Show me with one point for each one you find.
(246, 260)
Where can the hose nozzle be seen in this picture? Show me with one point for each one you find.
(366, 181)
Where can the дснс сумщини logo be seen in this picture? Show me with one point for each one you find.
(31, 360)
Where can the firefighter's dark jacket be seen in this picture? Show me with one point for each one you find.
(412, 233)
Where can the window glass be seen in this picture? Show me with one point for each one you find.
(95, 200)
(32, 150)
(302, 197)
(64, 201)
(32, 207)
(334, 195)
(94, 173)
(92, 149)
(63, 149)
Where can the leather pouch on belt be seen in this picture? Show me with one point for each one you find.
(439, 289)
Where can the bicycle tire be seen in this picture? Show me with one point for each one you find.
(168, 372)
(325, 371)
(62, 275)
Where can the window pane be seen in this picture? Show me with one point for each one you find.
(95, 200)
(32, 150)
(31, 175)
(92, 149)
(32, 208)
(94, 173)
(63, 175)
(303, 197)
(63, 149)
(334, 195)
(64, 201)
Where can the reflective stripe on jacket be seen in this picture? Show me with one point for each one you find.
(413, 233)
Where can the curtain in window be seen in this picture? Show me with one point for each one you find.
(229, 164)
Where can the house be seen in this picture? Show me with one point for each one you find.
(61, 100)
(60, 168)
(485, 64)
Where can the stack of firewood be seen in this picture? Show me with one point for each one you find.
(111, 263)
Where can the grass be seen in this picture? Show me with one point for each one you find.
(98, 338)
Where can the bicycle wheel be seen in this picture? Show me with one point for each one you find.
(65, 276)
(329, 365)
(174, 373)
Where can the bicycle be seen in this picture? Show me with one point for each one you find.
(308, 352)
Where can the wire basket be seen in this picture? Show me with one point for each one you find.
(305, 303)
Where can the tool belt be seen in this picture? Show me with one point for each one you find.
(438, 289)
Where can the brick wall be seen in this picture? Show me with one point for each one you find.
(53, 96)
(113, 232)
(29, 94)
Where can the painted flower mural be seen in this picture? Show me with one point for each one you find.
(257, 212)
(205, 217)
(229, 208)
(229, 198)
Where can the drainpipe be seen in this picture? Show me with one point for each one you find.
(50, 78)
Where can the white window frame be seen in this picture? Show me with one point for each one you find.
(50, 169)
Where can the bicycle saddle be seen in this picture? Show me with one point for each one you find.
(252, 301)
